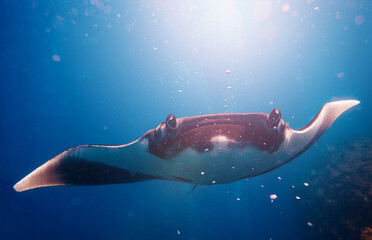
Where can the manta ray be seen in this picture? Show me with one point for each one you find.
(203, 150)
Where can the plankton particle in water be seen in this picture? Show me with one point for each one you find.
(56, 58)
(273, 196)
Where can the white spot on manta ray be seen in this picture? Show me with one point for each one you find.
(220, 144)
(145, 143)
(221, 138)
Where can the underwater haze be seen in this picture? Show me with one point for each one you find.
(105, 72)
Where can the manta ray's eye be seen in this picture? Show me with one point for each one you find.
(171, 121)
(274, 116)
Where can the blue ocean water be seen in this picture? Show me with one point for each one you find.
(105, 72)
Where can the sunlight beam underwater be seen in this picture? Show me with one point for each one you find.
(205, 150)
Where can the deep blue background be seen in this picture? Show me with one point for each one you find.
(124, 66)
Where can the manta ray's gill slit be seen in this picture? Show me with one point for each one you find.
(252, 174)
(183, 179)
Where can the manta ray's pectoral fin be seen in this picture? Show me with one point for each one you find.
(84, 165)
(302, 139)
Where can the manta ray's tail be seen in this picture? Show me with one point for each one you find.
(82, 165)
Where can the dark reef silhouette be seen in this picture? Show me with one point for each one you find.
(340, 201)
